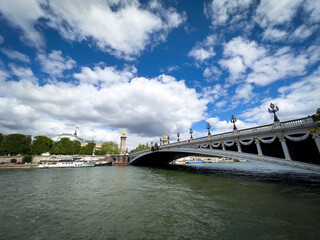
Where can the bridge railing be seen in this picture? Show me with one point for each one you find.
(253, 130)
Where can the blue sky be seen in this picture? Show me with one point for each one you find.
(154, 68)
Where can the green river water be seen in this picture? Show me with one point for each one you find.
(207, 201)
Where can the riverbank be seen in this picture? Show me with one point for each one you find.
(18, 166)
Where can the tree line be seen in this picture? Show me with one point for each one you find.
(15, 144)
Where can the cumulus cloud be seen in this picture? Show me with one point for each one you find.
(274, 34)
(211, 73)
(122, 28)
(105, 76)
(223, 11)
(273, 12)
(23, 73)
(25, 15)
(144, 107)
(296, 100)
(203, 50)
(222, 126)
(214, 93)
(273, 16)
(260, 65)
(55, 64)
(15, 55)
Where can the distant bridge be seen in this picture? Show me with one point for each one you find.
(293, 143)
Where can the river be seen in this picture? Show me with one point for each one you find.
(205, 201)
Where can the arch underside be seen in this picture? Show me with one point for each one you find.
(164, 156)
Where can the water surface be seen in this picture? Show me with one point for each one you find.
(207, 201)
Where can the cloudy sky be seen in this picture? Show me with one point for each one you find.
(155, 68)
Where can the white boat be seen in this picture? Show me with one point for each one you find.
(65, 164)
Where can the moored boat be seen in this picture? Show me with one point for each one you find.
(103, 163)
(65, 164)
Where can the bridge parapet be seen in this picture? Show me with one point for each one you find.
(279, 140)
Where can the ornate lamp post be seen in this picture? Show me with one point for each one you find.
(233, 120)
(208, 127)
(168, 139)
(273, 109)
(191, 131)
(178, 135)
(160, 141)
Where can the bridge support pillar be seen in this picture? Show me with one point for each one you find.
(239, 147)
(258, 147)
(285, 148)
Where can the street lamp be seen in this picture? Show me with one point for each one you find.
(178, 135)
(168, 139)
(191, 131)
(233, 120)
(160, 141)
(208, 127)
(273, 109)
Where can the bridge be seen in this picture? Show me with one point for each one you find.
(294, 143)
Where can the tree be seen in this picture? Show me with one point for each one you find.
(87, 149)
(41, 144)
(141, 147)
(15, 144)
(63, 146)
(109, 147)
(27, 159)
(76, 146)
(1, 137)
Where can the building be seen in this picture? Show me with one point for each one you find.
(72, 137)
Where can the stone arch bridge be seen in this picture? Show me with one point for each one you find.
(293, 143)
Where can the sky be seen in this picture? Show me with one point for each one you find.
(155, 68)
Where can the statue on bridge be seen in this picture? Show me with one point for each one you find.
(316, 117)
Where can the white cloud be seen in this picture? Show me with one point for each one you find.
(278, 19)
(297, 100)
(144, 107)
(23, 73)
(277, 66)
(15, 55)
(250, 51)
(122, 28)
(106, 76)
(201, 54)
(214, 93)
(263, 65)
(235, 66)
(1, 39)
(212, 72)
(223, 11)
(204, 50)
(274, 34)
(303, 32)
(223, 126)
(245, 92)
(313, 8)
(24, 15)
(273, 12)
(54, 64)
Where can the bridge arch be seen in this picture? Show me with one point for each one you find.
(280, 143)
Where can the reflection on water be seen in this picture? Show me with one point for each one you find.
(207, 201)
(256, 171)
